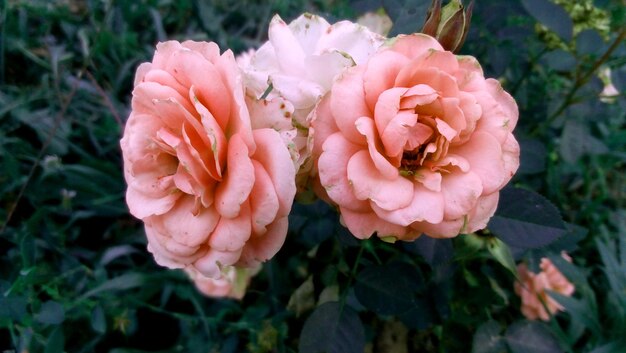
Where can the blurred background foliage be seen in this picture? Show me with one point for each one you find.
(75, 275)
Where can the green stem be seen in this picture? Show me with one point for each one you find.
(527, 70)
(352, 274)
(581, 80)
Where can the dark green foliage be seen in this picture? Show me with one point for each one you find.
(75, 275)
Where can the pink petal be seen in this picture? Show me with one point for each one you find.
(272, 154)
(439, 80)
(363, 224)
(484, 210)
(185, 65)
(142, 205)
(506, 102)
(212, 262)
(484, 154)
(470, 74)
(418, 95)
(414, 45)
(347, 103)
(234, 190)
(184, 227)
(368, 183)
(333, 171)
(366, 127)
(380, 75)
(209, 50)
(388, 106)
(401, 131)
(496, 119)
(322, 126)
(231, 234)
(510, 157)
(461, 192)
(263, 200)
(162, 102)
(262, 247)
(445, 229)
(429, 179)
(426, 206)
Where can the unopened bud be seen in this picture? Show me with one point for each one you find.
(449, 24)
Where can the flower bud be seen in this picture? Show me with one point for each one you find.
(449, 24)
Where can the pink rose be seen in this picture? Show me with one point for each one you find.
(232, 284)
(532, 289)
(211, 191)
(415, 141)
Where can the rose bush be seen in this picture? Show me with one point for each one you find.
(414, 141)
(533, 289)
(212, 191)
(295, 68)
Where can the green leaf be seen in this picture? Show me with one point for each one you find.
(502, 253)
(332, 328)
(408, 16)
(532, 157)
(614, 270)
(611, 347)
(388, 289)
(589, 41)
(123, 282)
(98, 320)
(487, 338)
(559, 60)
(531, 337)
(525, 219)
(13, 308)
(434, 251)
(577, 141)
(580, 310)
(552, 16)
(56, 341)
(51, 313)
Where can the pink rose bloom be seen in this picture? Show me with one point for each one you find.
(232, 284)
(415, 141)
(211, 191)
(532, 289)
(300, 61)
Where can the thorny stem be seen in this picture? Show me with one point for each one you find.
(581, 80)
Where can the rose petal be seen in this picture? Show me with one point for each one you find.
(263, 200)
(363, 224)
(368, 183)
(231, 234)
(333, 171)
(272, 154)
(348, 102)
(484, 154)
(234, 190)
(380, 73)
(461, 192)
(426, 206)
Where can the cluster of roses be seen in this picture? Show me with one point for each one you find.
(403, 137)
